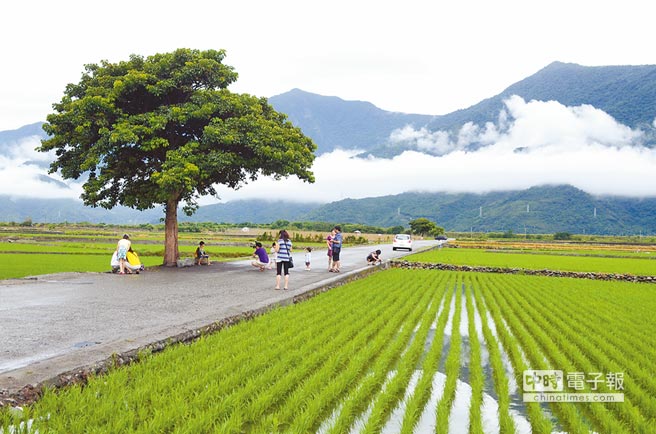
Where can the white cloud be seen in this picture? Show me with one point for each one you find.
(23, 172)
(532, 143)
(535, 143)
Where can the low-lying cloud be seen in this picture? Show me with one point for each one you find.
(531, 143)
(24, 173)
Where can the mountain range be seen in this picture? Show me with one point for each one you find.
(537, 210)
(628, 93)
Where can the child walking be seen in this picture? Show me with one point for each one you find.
(308, 258)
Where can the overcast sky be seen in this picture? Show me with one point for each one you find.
(429, 57)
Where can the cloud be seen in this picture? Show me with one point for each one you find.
(533, 143)
(24, 173)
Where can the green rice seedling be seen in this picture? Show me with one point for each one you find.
(606, 344)
(396, 386)
(358, 400)
(452, 367)
(366, 361)
(385, 322)
(506, 423)
(476, 379)
(531, 337)
(539, 423)
(422, 392)
(579, 351)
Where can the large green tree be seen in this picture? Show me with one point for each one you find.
(165, 130)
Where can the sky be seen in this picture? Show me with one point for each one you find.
(428, 57)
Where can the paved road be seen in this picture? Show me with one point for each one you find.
(56, 323)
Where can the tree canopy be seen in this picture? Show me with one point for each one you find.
(423, 226)
(165, 130)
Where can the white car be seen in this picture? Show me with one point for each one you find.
(402, 241)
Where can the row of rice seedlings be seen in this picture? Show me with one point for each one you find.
(395, 389)
(416, 403)
(581, 352)
(226, 379)
(358, 399)
(535, 342)
(476, 378)
(261, 391)
(311, 399)
(367, 321)
(314, 336)
(539, 423)
(609, 310)
(539, 349)
(506, 423)
(639, 304)
(595, 330)
(228, 368)
(452, 367)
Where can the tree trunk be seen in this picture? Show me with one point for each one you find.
(171, 254)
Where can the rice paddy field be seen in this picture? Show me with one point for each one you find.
(400, 351)
(614, 261)
(43, 252)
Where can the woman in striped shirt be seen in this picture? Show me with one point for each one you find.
(283, 257)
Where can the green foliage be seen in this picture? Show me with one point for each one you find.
(165, 129)
(562, 236)
(422, 226)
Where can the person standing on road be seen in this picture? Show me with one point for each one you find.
(308, 258)
(122, 248)
(283, 258)
(337, 247)
(329, 242)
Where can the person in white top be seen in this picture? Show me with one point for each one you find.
(122, 248)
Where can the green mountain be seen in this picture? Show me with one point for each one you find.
(335, 123)
(628, 93)
(20, 209)
(546, 209)
(251, 211)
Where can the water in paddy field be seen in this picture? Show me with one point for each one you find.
(459, 416)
